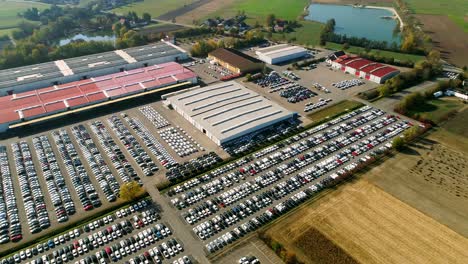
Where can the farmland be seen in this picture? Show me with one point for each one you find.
(154, 7)
(396, 55)
(369, 226)
(257, 10)
(456, 10)
(9, 13)
(308, 34)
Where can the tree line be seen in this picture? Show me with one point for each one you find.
(203, 47)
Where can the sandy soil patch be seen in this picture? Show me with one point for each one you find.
(448, 37)
(372, 226)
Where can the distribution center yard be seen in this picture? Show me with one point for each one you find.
(360, 222)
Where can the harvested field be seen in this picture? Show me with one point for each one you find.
(183, 10)
(203, 11)
(447, 37)
(327, 252)
(371, 226)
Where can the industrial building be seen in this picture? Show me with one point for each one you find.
(369, 70)
(280, 53)
(226, 111)
(42, 104)
(235, 61)
(36, 76)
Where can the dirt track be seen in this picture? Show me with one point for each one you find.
(374, 227)
(448, 37)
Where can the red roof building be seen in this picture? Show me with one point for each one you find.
(61, 98)
(364, 68)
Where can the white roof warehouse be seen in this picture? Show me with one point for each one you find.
(280, 53)
(226, 111)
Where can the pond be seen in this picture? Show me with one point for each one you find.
(87, 38)
(370, 23)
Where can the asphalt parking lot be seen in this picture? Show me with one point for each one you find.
(250, 247)
(97, 177)
(215, 206)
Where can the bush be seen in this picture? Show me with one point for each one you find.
(398, 143)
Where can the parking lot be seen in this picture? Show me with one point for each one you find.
(236, 199)
(135, 234)
(70, 173)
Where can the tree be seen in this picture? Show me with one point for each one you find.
(398, 143)
(384, 90)
(248, 77)
(270, 20)
(146, 17)
(130, 190)
(433, 56)
(346, 46)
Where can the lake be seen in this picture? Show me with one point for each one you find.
(357, 22)
(87, 38)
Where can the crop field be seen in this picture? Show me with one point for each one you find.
(154, 7)
(432, 174)
(396, 55)
(257, 10)
(9, 13)
(456, 10)
(308, 34)
(369, 226)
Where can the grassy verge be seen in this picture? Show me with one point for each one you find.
(388, 54)
(65, 229)
(333, 111)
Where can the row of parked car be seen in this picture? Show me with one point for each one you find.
(33, 197)
(237, 165)
(179, 141)
(10, 225)
(193, 166)
(57, 188)
(100, 232)
(124, 168)
(107, 182)
(151, 142)
(297, 93)
(321, 103)
(345, 84)
(133, 147)
(154, 116)
(80, 179)
(218, 223)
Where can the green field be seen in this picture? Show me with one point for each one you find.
(9, 14)
(332, 111)
(257, 10)
(154, 7)
(383, 53)
(457, 10)
(436, 109)
(307, 35)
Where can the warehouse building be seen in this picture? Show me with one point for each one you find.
(36, 76)
(235, 61)
(280, 53)
(58, 100)
(366, 69)
(226, 111)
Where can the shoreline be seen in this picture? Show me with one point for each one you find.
(391, 9)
